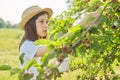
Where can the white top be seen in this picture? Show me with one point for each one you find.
(30, 50)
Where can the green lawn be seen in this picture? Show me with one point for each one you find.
(9, 53)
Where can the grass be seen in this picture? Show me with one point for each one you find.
(9, 53)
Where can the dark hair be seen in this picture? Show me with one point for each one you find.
(30, 29)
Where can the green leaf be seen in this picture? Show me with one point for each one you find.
(90, 19)
(96, 46)
(118, 58)
(53, 63)
(118, 76)
(27, 76)
(14, 71)
(29, 64)
(74, 29)
(21, 58)
(48, 43)
(42, 42)
(5, 67)
(47, 57)
(100, 9)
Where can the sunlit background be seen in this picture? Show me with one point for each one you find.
(11, 10)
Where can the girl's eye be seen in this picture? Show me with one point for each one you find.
(41, 21)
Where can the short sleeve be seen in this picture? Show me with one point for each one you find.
(29, 49)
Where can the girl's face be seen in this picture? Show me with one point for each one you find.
(42, 25)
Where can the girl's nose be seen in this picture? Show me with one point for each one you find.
(46, 25)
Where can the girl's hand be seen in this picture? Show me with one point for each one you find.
(88, 19)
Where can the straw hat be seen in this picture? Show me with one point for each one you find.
(31, 12)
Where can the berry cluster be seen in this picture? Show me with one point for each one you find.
(61, 58)
(86, 42)
(66, 49)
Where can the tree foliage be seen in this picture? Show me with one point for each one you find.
(99, 48)
(94, 51)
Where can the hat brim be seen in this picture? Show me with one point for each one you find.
(27, 18)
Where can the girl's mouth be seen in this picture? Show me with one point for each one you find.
(45, 31)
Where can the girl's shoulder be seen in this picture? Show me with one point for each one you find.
(27, 44)
(29, 49)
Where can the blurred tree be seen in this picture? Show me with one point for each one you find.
(7, 24)
(2, 23)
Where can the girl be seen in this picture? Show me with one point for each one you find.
(35, 24)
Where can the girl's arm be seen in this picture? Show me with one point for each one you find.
(83, 21)
(41, 51)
